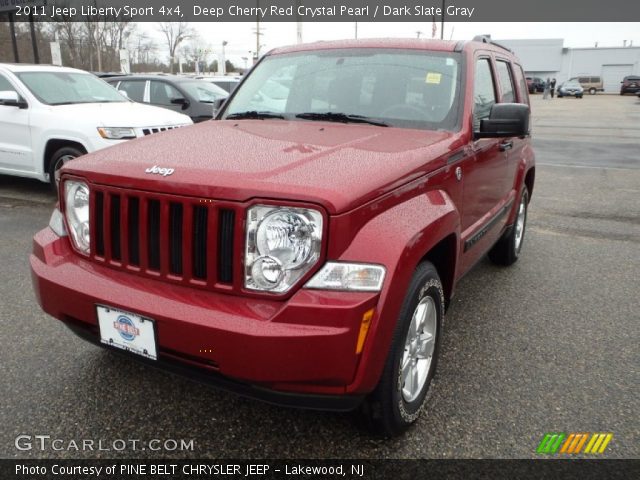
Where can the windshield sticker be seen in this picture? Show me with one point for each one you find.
(433, 77)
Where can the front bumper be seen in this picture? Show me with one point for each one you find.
(296, 352)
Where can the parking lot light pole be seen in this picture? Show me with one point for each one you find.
(223, 68)
(444, 6)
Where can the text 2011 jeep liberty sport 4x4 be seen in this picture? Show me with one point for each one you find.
(302, 249)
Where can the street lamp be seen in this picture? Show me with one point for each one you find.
(223, 67)
(444, 6)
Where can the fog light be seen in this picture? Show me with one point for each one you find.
(267, 272)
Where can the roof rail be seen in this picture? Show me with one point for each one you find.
(487, 39)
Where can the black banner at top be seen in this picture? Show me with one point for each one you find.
(325, 10)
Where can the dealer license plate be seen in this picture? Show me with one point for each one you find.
(127, 331)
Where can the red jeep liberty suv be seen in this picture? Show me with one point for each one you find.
(302, 248)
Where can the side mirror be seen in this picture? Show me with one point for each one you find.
(217, 105)
(505, 120)
(123, 93)
(9, 98)
(180, 101)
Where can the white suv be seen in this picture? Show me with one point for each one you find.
(50, 115)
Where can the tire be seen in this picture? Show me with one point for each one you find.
(58, 159)
(395, 404)
(592, 91)
(507, 249)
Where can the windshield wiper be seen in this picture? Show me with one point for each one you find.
(253, 115)
(340, 117)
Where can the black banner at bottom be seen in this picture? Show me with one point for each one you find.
(321, 469)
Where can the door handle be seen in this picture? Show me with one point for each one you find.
(504, 146)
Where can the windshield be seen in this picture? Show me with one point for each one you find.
(204, 91)
(63, 88)
(400, 88)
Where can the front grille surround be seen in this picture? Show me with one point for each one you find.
(178, 239)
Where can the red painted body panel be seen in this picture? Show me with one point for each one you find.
(280, 159)
(388, 196)
(255, 340)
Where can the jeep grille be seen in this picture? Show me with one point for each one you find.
(178, 239)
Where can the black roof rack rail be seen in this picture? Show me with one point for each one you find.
(487, 39)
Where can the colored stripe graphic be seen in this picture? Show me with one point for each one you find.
(550, 443)
(598, 443)
(572, 443)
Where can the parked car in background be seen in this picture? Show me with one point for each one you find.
(630, 84)
(50, 115)
(185, 95)
(570, 88)
(589, 84)
(227, 83)
(535, 84)
(304, 256)
(530, 86)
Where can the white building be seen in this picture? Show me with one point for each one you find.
(549, 58)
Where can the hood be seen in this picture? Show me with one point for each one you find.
(339, 166)
(122, 114)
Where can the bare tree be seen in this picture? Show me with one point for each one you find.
(175, 33)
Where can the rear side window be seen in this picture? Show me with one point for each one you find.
(225, 85)
(524, 91)
(484, 92)
(134, 89)
(161, 93)
(506, 82)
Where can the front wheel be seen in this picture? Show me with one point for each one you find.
(58, 159)
(507, 250)
(401, 393)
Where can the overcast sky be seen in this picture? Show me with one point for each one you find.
(241, 36)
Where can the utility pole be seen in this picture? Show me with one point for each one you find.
(298, 24)
(223, 69)
(356, 33)
(258, 29)
(444, 6)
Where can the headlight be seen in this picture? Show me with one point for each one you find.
(76, 207)
(116, 133)
(355, 277)
(282, 244)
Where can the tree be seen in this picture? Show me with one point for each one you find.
(175, 33)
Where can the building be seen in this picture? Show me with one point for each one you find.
(548, 58)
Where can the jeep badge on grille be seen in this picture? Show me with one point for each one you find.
(160, 171)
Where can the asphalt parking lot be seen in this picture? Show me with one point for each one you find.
(550, 344)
